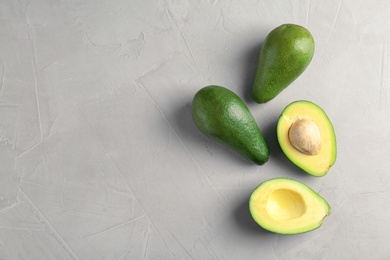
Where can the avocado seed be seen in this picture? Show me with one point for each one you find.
(305, 136)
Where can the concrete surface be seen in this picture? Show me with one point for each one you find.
(99, 155)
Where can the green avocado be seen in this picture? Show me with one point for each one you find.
(286, 206)
(285, 54)
(306, 135)
(220, 114)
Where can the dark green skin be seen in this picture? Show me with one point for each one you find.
(285, 54)
(220, 114)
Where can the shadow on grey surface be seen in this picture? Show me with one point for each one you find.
(187, 128)
(251, 59)
(276, 153)
(245, 221)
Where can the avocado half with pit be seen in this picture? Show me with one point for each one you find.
(307, 137)
(286, 206)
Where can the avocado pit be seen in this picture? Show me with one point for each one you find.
(305, 136)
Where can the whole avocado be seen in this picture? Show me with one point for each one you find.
(220, 114)
(285, 54)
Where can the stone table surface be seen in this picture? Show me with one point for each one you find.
(100, 158)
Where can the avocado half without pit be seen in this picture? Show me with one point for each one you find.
(307, 137)
(286, 206)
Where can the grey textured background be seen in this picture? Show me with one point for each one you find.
(100, 158)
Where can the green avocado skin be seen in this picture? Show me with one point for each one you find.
(285, 54)
(220, 114)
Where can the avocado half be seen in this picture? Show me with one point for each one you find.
(315, 151)
(286, 206)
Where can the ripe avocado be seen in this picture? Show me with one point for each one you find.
(307, 137)
(286, 206)
(286, 52)
(220, 114)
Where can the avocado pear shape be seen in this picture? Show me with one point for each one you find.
(285, 54)
(220, 114)
(286, 206)
(307, 137)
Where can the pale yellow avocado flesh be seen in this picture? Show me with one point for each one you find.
(318, 164)
(286, 206)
